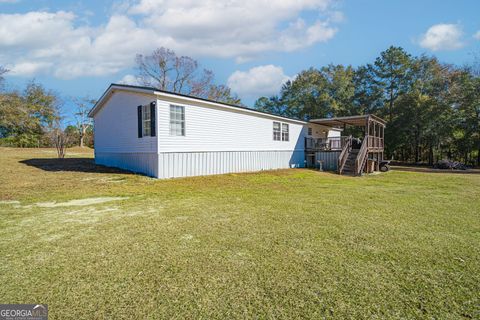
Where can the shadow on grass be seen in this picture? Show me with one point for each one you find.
(71, 164)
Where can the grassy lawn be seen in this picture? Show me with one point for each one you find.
(283, 244)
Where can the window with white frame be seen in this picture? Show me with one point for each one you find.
(177, 120)
(285, 134)
(276, 131)
(146, 121)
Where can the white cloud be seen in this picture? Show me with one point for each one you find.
(299, 35)
(442, 37)
(29, 68)
(49, 43)
(59, 43)
(237, 28)
(477, 35)
(130, 79)
(258, 81)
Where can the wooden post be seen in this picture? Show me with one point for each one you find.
(367, 130)
(382, 133)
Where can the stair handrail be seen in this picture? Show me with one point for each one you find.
(342, 158)
(361, 156)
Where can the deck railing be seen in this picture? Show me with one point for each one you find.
(361, 157)
(342, 158)
(311, 143)
(337, 143)
(334, 143)
(375, 142)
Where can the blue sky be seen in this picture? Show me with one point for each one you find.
(78, 48)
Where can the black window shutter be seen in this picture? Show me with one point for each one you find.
(139, 117)
(152, 119)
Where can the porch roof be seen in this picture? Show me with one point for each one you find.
(358, 121)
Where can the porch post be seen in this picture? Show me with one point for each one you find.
(368, 131)
(382, 133)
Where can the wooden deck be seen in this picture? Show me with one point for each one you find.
(353, 159)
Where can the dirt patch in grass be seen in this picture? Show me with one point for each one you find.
(79, 202)
(8, 202)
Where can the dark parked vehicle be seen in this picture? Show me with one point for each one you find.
(385, 166)
(452, 165)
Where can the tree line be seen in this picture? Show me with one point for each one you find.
(432, 109)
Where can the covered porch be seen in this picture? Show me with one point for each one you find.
(355, 154)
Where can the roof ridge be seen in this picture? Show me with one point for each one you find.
(190, 97)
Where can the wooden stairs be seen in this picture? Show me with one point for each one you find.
(349, 166)
(352, 161)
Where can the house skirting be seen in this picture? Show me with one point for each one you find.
(138, 162)
(329, 159)
(186, 164)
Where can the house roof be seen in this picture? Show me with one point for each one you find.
(359, 121)
(328, 122)
(150, 90)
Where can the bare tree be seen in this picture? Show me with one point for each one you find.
(154, 69)
(164, 70)
(200, 87)
(60, 140)
(2, 72)
(84, 105)
(476, 64)
(223, 93)
(58, 137)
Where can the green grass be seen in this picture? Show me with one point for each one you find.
(283, 244)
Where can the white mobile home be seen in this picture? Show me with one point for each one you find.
(166, 135)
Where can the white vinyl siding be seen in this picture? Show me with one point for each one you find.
(211, 128)
(177, 120)
(116, 125)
